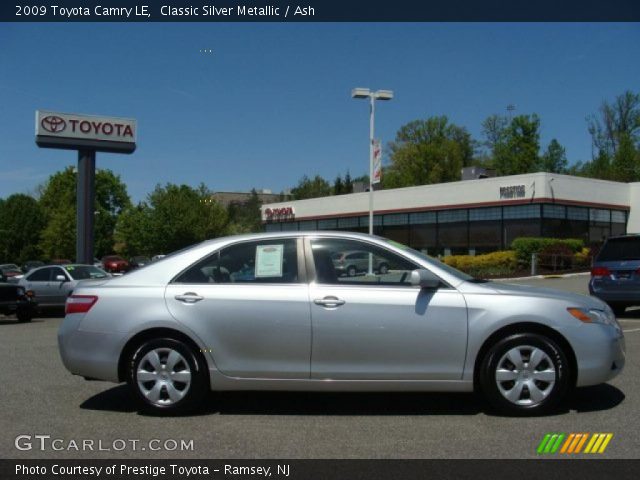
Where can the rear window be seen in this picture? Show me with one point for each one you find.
(619, 249)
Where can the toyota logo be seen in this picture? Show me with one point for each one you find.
(53, 124)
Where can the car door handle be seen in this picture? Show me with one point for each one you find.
(189, 297)
(329, 301)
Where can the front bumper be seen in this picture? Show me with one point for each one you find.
(89, 354)
(600, 353)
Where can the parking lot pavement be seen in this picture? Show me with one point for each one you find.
(39, 397)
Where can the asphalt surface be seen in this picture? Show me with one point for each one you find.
(39, 397)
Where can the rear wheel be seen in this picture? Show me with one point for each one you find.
(24, 317)
(167, 377)
(525, 374)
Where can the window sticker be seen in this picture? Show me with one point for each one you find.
(269, 260)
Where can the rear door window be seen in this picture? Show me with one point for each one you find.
(42, 275)
(620, 249)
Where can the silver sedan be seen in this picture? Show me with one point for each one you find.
(270, 312)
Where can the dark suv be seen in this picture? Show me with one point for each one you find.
(15, 301)
(615, 275)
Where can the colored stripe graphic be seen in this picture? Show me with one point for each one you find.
(573, 443)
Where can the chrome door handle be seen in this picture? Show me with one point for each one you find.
(329, 301)
(189, 297)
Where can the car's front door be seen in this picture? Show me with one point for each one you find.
(59, 288)
(378, 326)
(249, 303)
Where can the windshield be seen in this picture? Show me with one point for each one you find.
(437, 263)
(85, 272)
(617, 249)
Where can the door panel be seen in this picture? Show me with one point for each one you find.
(391, 333)
(376, 326)
(253, 326)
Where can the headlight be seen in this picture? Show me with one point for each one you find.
(594, 315)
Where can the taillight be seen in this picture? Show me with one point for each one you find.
(79, 303)
(600, 272)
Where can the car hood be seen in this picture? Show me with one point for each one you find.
(526, 290)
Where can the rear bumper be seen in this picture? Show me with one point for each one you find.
(613, 295)
(89, 354)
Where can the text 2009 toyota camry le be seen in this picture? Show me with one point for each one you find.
(280, 312)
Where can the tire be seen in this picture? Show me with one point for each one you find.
(535, 389)
(618, 308)
(167, 377)
(351, 271)
(383, 269)
(24, 317)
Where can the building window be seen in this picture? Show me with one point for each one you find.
(396, 219)
(577, 213)
(618, 216)
(422, 217)
(554, 211)
(522, 211)
(480, 214)
(599, 215)
(349, 222)
(377, 221)
(272, 227)
(308, 225)
(450, 216)
(289, 226)
(327, 224)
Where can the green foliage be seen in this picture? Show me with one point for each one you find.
(311, 188)
(517, 147)
(428, 151)
(525, 246)
(244, 217)
(22, 220)
(58, 201)
(554, 160)
(174, 217)
(615, 121)
(486, 265)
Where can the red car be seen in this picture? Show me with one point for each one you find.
(115, 264)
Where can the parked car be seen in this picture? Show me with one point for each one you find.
(60, 261)
(8, 271)
(31, 264)
(52, 284)
(115, 264)
(187, 324)
(615, 275)
(353, 263)
(15, 301)
(155, 258)
(139, 261)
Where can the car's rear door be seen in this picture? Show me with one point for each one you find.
(378, 326)
(39, 281)
(249, 302)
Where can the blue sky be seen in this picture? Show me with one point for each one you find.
(272, 101)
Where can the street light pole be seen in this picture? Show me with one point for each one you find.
(372, 96)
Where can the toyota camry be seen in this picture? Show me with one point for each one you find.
(270, 312)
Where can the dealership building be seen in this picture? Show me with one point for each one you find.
(473, 216)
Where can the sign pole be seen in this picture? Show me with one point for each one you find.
(86, 194)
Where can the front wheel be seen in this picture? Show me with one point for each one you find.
(24, 317)
(167, 377)
(525, 374)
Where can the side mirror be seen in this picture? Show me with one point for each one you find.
(424, 279)
(61, 278)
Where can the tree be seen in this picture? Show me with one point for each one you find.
(244, 217)
(615, 122)
(517, 149)
(311, 188)
(338, 186)
(58, 200)
(494, 130)
(173, 217)
(554, 160)
(625, 165)
(22, 220)
(348, 183)
(428, 151)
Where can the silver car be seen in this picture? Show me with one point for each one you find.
(270, 312)
(52, 284)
